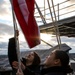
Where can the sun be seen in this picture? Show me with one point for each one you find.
(46, 37)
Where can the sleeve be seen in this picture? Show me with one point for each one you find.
(12, 54)
(27, 71)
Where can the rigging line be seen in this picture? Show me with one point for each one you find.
(44, 9)
(15, 35)
(46, 43)
(53, 22)
(56, 26)
(54, 5)
(58, 12)
(43, 19)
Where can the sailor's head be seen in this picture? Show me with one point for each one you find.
(33, 58)
(57, 58)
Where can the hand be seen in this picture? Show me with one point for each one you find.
(15, 65)
(23, 66)
(17, 33)
(19, 72)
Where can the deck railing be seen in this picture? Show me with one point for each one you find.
(63, 10)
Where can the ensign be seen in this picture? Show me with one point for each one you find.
(24, 11)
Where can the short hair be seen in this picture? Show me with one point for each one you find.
(64, 59)
(63, 56)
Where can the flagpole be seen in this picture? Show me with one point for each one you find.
(16, 35)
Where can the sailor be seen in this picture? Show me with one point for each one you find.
(56, 63)
(29, 63)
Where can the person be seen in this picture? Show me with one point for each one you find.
(29, 63)
(56, 63)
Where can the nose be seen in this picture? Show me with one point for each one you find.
(29, 55)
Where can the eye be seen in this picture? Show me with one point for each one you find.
(51, 53)
(32, 54)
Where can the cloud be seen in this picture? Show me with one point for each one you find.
(72, 1)
(5, 11)
(4, 7)
(6, 29)
(3, 45)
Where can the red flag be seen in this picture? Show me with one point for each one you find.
(24, 10)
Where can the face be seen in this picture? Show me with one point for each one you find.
(50, 60)
(30, 57)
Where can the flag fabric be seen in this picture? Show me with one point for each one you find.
(24, 11)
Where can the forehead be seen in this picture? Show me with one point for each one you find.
(53, 52)
(31, 53)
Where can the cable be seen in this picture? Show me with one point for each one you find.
(55, 23)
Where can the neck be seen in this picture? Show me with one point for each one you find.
(28, 63)
(47, 66)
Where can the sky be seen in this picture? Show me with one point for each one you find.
(7, 29)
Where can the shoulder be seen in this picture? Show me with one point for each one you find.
(53, 70)
(55, 73)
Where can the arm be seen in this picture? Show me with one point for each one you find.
(15, 65)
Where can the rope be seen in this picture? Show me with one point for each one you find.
(46, 43)
(16, 36)
(55, 23)
(43, 19)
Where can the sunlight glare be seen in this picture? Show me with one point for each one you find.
(46, 37)
(21, 37)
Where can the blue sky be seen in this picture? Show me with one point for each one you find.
(7, 30)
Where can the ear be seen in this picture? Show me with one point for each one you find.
(57, 62)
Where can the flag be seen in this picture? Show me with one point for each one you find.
(24, 11)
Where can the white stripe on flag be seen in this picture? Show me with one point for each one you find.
(24, 9)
